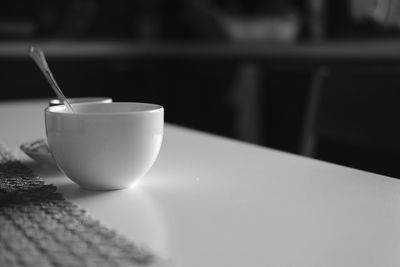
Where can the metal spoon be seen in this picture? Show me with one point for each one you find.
(38, 56)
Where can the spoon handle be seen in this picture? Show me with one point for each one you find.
(38, 56)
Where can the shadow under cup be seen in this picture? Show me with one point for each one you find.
(105, 146)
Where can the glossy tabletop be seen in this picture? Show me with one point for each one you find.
(211, 201)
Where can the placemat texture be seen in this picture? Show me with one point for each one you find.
(38, 227)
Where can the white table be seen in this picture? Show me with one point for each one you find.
(210, 201)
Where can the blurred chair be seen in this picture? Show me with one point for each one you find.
(353, 118)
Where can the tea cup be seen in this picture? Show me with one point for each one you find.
(105, 146)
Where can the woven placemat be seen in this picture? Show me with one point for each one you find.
(38, 227)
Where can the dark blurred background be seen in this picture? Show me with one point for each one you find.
(313, 77)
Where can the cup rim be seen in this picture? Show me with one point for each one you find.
(60, 109)
(86, 99)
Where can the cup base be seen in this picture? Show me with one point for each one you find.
(97, 188)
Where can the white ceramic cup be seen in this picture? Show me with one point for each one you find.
(105, 146)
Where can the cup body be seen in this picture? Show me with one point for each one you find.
(105, 146)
